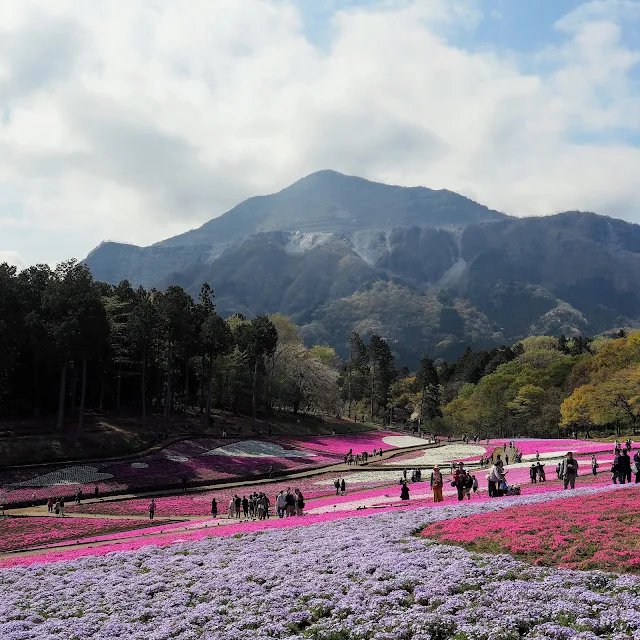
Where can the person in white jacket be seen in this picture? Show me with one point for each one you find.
(493, 478)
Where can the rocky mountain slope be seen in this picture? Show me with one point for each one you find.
(431, 270)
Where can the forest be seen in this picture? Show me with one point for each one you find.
(71, 344)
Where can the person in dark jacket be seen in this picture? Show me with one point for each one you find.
(533, 473)
(625, 474)
(458, 482)
(214, 508)
(636, 462)
(404, 492)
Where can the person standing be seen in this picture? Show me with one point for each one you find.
(636, 461)
(594, 465)
(626, 467)
(404, 492)
(245, 507)
(493, 477)
(343, 486)
(152, 508)
(237, 505)
(533, 473)
(281, 503)
(436, 484)
(541, 474)
(62, 506)
(214, 508)
(299, 503)
(459, 480)
(569, 471)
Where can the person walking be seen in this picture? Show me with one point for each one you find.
(569, 471)
(404, 492)
(152, 508)
(214, 508)
(436, 484)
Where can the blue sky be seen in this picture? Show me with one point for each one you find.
(137, 121)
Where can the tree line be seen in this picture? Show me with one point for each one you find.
(70, 344)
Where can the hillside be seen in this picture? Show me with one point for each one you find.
(431, 270)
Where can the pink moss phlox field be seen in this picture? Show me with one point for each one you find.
(599, 531)
(160, 469)
(19, 533)
(342, 444)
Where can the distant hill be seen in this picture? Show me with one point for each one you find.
(431, 270)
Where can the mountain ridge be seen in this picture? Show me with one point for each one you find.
(339, 253)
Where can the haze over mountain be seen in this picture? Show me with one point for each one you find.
(431, 270)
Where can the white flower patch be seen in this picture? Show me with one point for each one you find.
(177, 458)
(139, 465)
(441, 455)
(257, 449)
(375, 501)
(70, 475)
(363, 477)
(403, 441)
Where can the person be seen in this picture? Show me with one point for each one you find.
(537, 456)
(594, 465)
(636, 462)
(626, 467)
(50, 505)
(232, 506)
(569, 471)
(270, 471)
(299, 503)
(617, 470)
(459, 480)
(343, 486)
(291, 503)
(436, 484)
(184, 483)
(506, 459)
(57, 507)
(281, 503)
(541, 474)
(559, 470)
(62, 506)
(96, 492)
(533, 473)
(493, 477)
(404, 492)
(245, 507)
(152, 508)
(467, 482)
(474, 484)
(237, 504)
(214, 508)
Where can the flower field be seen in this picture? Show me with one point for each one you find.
(355, 578)
(599, 531)
(357, 442)
(19, 533)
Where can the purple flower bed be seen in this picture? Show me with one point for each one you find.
(362, 578)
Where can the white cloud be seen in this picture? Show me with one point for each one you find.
(137, 120)
(12, 258)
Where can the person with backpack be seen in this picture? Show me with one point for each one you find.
(436, 484)
(569, 471)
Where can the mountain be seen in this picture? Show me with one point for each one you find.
(431, 270)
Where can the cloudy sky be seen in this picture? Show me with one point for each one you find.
(134, 120)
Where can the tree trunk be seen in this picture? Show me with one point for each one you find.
(373, 377)
(63, 385)
(254, 396)
(143, 386)
(167, 397)
(118, 386)
(83, 395)
(74, 386)
(349, 391)
(36, 386)
(202, 378)
(209, 387)
(186, 386)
